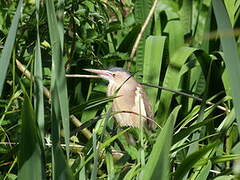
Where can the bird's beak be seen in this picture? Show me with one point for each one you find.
(105, 74)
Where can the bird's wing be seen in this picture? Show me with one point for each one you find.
(148, 109)
(135, 101)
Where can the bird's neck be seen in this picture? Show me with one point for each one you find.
(112, 87)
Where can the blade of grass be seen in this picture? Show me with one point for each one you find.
(187, 131)
(38, 88)
(192, 159)
(230, 51)
(62, 170)
(152, 64)
(95, 154)
(228, 177)
(110, 166)
(186, 16)
(132, 172)
(60, 17)
(176, 38)
(102, 146)
(172, 80)
(225, 158)
(82, 173)
(60, 167)
(60, 111)
(203, 171)
(157, 166)
(142, 8)
(8, 47)
(230, 9)
(30, 153)
(58, 83)
(201, 115)
(186, 143)
(227, 122)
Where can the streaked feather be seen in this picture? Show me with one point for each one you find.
(131, 97)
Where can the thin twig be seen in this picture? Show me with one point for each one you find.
(185, 94)
(135, 46)
(77, 123)
(47, 144)
(47, 93)
(24, 70)
(28, 74)
(216, 34)
(163, 88)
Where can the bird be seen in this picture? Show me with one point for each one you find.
(131, 104)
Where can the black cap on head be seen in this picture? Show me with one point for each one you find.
(114, 69)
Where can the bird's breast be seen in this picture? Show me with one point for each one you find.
(128, 105)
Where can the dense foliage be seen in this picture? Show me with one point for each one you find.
(58, 127)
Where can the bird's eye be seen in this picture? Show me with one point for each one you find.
(113, 74)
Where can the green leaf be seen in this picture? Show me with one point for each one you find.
(229, 4)
(110, 165)
(230, 51)
(127, 43)
(192, 159)
(204, 171)
(103, 146)
(8, 47)
(157, 166)
(227, 122)
(61, 169)
(38, 80)
(187, 131)
(225, 158)
(30, 154)
(60, 107)
(152, 64)
(58, 81)
(176, 38)
(142, 8)
(224, 178)
(131, 173)
(95, 154)
(172, 80)
(186, 15)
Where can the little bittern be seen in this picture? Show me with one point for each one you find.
(131, 103)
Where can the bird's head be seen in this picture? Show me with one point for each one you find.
(114, 75)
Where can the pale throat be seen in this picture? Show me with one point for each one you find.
(112, 87)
